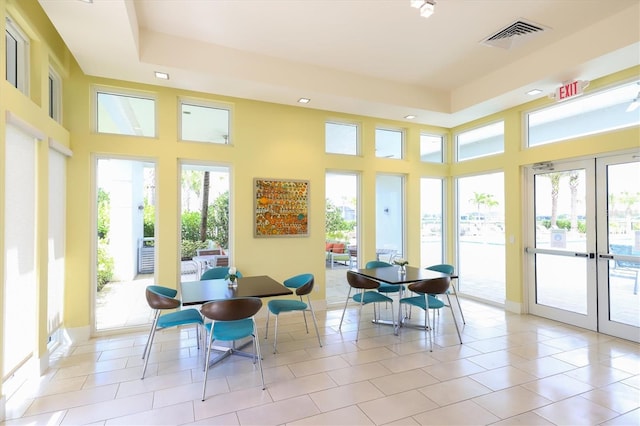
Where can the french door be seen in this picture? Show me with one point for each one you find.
(582, 212)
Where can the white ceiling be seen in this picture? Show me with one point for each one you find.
(368, 57)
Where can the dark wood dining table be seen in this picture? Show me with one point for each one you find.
(199, 292)
(393, 275)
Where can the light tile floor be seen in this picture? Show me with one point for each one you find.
(511, 369)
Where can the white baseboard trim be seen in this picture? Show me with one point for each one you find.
(77, 334)
(514, 307)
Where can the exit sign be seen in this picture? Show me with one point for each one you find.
(570, 90)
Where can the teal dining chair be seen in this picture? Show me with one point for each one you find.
(160, 299)
(426, 300)
(303, 285)
(449, 269)
(217, 273)
(384, 287)
(366, 292)
(231, 320)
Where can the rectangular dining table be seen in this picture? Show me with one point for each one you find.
(393, 275)
(200, 292)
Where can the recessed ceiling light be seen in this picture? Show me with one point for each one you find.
(534, 92)
(162, 75)
(304, 100)
(409, 117)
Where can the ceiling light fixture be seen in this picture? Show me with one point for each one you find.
(534, 92)
(304, 100)
(162, 75)
(410, 117)
(427, 7)
(634, 104)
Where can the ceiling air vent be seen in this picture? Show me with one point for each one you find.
(518, 31)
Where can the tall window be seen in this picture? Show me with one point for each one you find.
(389, 216)
(431, 223)
(480, 142)
(204, 217)
(389, 143)
(17, 44)
(431, 148)
(125, 113)
(481, 242)
(341, 138)
(201, 122)
(605, 110)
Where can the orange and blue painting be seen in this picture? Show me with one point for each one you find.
(281, 208)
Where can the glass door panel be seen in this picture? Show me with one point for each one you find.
(561, 261)
(619, 246)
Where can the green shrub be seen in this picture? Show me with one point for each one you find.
(149, 219)
(191, 226)
(105, 264)
(189, 248)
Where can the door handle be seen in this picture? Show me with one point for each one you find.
(606, 256)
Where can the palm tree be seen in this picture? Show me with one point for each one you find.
(205, 207)
(574, 180)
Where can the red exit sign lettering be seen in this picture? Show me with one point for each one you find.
(570, 90)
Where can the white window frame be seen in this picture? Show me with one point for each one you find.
(21, 59)
(403, 138)
(206, 104)
(55, 95)
(124, 93)
(442, 147)
(473, 129)
(344, 123)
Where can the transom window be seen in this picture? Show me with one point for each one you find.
(125, 113)
(431, 148)
(341, 138)
(389, 143)
(205, 122)
(480, 142)
(606, 110)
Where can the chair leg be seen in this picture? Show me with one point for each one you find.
(147, 348)
(429, 327)
(151, 331)
(256, 342)
(313, 317)
(455, 322)
(455, 294)
(275, 335)
(345, 308)
(360, 316)
(306, 326)
(206, 367)
(266, 331)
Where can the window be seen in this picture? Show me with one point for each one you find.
(125, 113)
(480, 142)
(17, 45)
(600, 112)
(431, 148)
(431, 226)
(202, 122)
(390, 226)
(481, 238)
(341, 138)
(389, 143)
(55, 96)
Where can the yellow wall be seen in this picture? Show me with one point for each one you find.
(270, 141)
